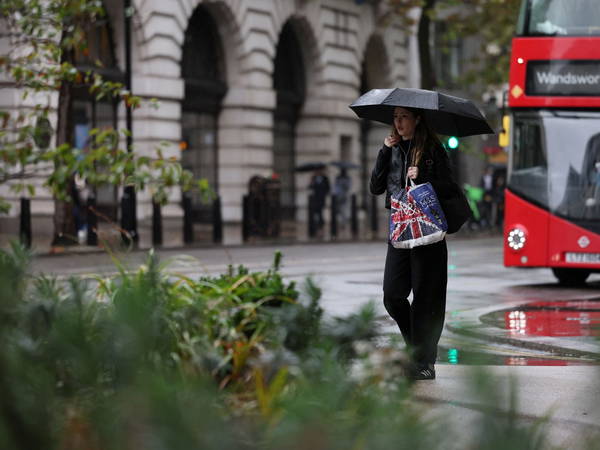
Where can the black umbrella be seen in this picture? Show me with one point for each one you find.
(445, 114)
(344, 164)
(310, 167)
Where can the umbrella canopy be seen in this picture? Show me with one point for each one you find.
(445, 114)
(310, 167)
(344, 164)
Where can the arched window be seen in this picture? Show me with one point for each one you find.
(203, 70)
(375, 73)
(289, 84)
(87, 113)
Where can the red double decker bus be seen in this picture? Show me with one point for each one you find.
(552, 209)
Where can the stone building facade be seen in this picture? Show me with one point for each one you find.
(256, 87)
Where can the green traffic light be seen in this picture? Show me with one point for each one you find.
(452, 142)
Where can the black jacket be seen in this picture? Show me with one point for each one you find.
(390, 170)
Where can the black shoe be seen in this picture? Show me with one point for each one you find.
(422, 372)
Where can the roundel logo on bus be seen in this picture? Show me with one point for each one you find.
(583, 241)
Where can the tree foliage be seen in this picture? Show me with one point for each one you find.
(43, 37)
(492, 21)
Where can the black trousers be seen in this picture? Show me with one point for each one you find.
(424, 270)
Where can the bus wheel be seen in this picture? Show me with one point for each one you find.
(571, 277)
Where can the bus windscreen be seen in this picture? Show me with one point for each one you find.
(556, 162)
(560, 18)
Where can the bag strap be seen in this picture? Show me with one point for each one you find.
(412, 158)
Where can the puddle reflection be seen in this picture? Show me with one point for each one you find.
(465, 357)
(554, 318)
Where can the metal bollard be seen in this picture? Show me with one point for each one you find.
(374, 216)
(188, 224)
(353, 216)
(25, 222)
(128, 216)
(312, 226)
(245, 218)
(92, 221)
(217, 221)
(157, 229)
(334, 208)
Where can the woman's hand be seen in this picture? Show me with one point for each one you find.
(391, 140)
(412, 172)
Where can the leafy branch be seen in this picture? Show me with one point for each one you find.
(49, 55)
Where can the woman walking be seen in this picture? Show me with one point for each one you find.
(412, 150)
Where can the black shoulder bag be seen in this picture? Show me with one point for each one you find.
(456, 208)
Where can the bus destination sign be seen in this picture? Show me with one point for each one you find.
(563, 78)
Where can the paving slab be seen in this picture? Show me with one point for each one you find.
(567, 397)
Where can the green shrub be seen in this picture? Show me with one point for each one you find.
(151, 359)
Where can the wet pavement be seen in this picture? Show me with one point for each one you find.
(552, 322)
(562, 400)
(494, 314)
(472, 357)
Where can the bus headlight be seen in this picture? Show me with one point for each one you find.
(516, 239)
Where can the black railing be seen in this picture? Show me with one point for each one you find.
(333, 225)
(25, 222)
(157, 228)
(261, 210)
(217, 221)
(354, 216)
(259, 218)
(92, 221)
(188, 219)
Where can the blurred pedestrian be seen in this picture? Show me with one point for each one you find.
(412, 150)
(320, 188)
(474, 196)
(498, 199)
(341, 190)
(487, 184)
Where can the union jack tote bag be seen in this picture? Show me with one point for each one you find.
(416, 217)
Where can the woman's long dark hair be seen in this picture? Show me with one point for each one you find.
(424, 137)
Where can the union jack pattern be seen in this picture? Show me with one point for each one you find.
(410, 225)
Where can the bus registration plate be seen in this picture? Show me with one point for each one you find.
(586, 258)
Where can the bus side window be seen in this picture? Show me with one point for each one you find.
(528, 146)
